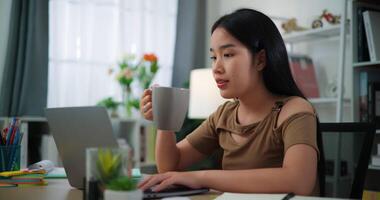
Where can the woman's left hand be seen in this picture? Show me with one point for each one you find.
(162, 181)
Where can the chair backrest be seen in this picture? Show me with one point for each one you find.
(369, 129)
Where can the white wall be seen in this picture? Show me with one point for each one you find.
(325, 53)
(5, 10)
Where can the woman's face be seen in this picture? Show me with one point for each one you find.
(235, 70)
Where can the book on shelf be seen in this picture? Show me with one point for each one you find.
(303, 72)
(362, 50)
(369, 96)
(371, 23)
(363, 96)
(374, 101)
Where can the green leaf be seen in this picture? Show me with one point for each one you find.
(123, 183)
(154, 67)
(108, 102)
(108, 164)
(135, 103)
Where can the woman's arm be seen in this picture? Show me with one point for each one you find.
(170, 156)
(174, 157)
(297, 175)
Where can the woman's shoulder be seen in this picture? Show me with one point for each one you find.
(227, 107)
(294, 105)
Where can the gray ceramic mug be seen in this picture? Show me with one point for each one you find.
(169, 107)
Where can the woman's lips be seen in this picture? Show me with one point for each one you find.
(222, 84)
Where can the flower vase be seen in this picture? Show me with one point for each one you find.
(127, 96)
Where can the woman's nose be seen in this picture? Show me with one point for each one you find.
(217, 66)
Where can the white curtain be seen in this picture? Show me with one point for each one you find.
(88, 37)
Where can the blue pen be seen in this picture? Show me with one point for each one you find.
(17, 137)
(10, 130)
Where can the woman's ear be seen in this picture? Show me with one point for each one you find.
(261, 60)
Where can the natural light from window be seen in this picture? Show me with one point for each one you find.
(88, 37)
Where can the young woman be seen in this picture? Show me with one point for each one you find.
(268, 134)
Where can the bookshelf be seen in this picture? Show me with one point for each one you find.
(365, 64)
(337, 34)
(312, 34)
(374, 167)
(361, 65)
(330, 31)
(140, 135)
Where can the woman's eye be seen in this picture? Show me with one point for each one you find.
(213, 57)
(227, 55)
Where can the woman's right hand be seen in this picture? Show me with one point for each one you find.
(146, 104)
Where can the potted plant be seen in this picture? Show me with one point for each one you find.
(110, 104)
(114, 169)
(122, 188)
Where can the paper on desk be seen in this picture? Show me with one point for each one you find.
(243, 196)
(46, 165)
(57, 172)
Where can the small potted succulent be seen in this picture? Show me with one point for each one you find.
(114, 170)
(122, 188)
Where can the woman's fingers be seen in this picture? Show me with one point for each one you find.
(149, 114)
(147, 107)
(146, 104)
(149, 183)
(146, 97)
(154, 181)
(163, 185)
(144, 181)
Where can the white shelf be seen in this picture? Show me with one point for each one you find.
(323, 100)
(326, 100)
(373, 167)
(363, 64)
(312, 34)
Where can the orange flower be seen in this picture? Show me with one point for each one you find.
(150, 57)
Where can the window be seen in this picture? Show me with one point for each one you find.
(88, 37)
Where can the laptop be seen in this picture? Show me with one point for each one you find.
(76, 128)
(173, 191)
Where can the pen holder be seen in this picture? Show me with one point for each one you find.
(9, 157)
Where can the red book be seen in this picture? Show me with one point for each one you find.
(304, 75)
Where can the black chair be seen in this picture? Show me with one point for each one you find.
(365, 153)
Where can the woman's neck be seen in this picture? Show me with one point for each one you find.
(256, 106)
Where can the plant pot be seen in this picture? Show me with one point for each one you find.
(123, 195)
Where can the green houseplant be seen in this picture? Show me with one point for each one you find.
(110, 104)
(114, 170)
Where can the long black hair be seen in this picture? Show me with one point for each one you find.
(257, 32)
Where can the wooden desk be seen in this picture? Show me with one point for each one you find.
(59, 189)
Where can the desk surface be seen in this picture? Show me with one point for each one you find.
(59, 189)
